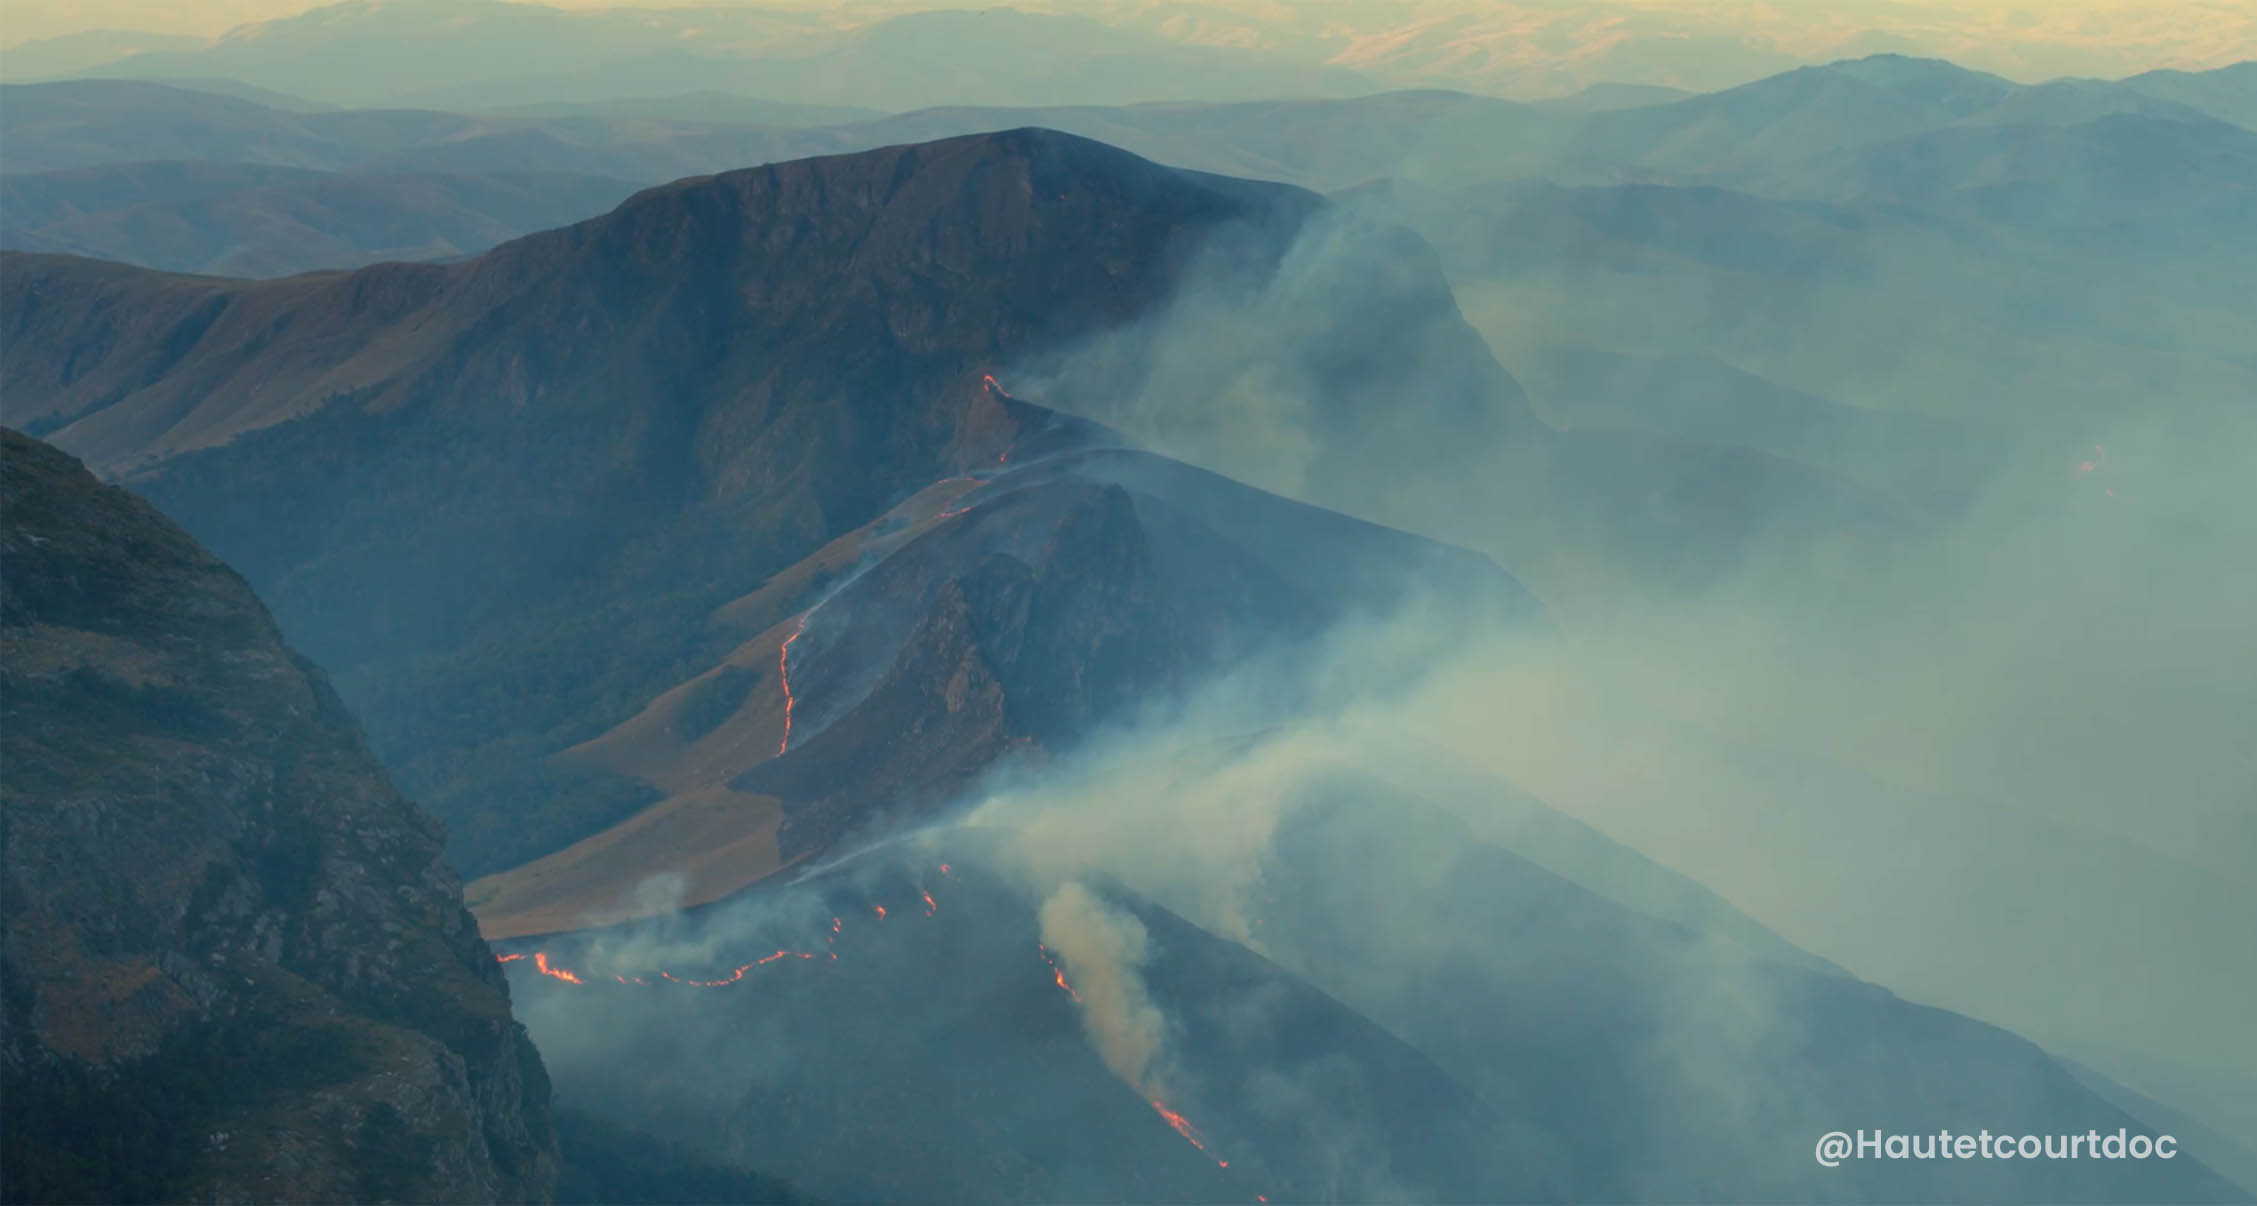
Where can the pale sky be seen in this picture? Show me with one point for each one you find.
(24, 20)
(2019, 38)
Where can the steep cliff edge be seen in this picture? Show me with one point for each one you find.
(235, 967)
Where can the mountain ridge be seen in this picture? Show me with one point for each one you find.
(597, 437)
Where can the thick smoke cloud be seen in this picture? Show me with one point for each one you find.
(1104, 952)
(1992, 756)
(1993, 759)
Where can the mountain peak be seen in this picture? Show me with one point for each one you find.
(1048, 160)
(1933, 79)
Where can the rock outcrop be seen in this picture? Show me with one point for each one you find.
(236, 967)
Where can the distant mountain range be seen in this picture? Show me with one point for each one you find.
(486, 54)
(1949, 212)
(239, 219)
(902, 55)
(420, 184)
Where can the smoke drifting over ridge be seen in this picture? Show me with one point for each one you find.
(1321, 357)
(1992, 755)
(1984, 756)
(1367, 847)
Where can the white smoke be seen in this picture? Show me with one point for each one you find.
(1102, 952)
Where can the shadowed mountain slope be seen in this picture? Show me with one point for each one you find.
(502, 498)
(236, 967)
(1002, 616)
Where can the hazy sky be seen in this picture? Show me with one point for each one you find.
(2177, 32)
(26, 20)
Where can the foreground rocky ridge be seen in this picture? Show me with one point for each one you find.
(237, 968)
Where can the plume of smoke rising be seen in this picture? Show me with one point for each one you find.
(1337, 371)
(2034, 708)
(1109, 813)
(1103, 950)
(2002, 771)
(1974, 772)
(658, 895)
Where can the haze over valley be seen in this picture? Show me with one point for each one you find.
(1405, 602)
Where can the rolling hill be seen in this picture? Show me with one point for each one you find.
(228, 219)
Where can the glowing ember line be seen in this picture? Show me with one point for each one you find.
(991, 385)
(952, 512)
(838, 925)
(1182, 1126)
(1058, 973)
(541, 964)
(566, 974)
(784, 676)
(1190, 1133)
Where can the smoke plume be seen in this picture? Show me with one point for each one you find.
(1103, 951)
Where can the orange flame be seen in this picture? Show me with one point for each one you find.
(1182, 1126)
(1190, 1133)
(881, 911)
(930, 907)
(1058, 973)
(559, 972)
(541, 964)
(784, 676)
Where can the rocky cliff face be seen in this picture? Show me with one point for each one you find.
(235, 966)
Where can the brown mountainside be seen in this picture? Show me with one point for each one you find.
(504, 500)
